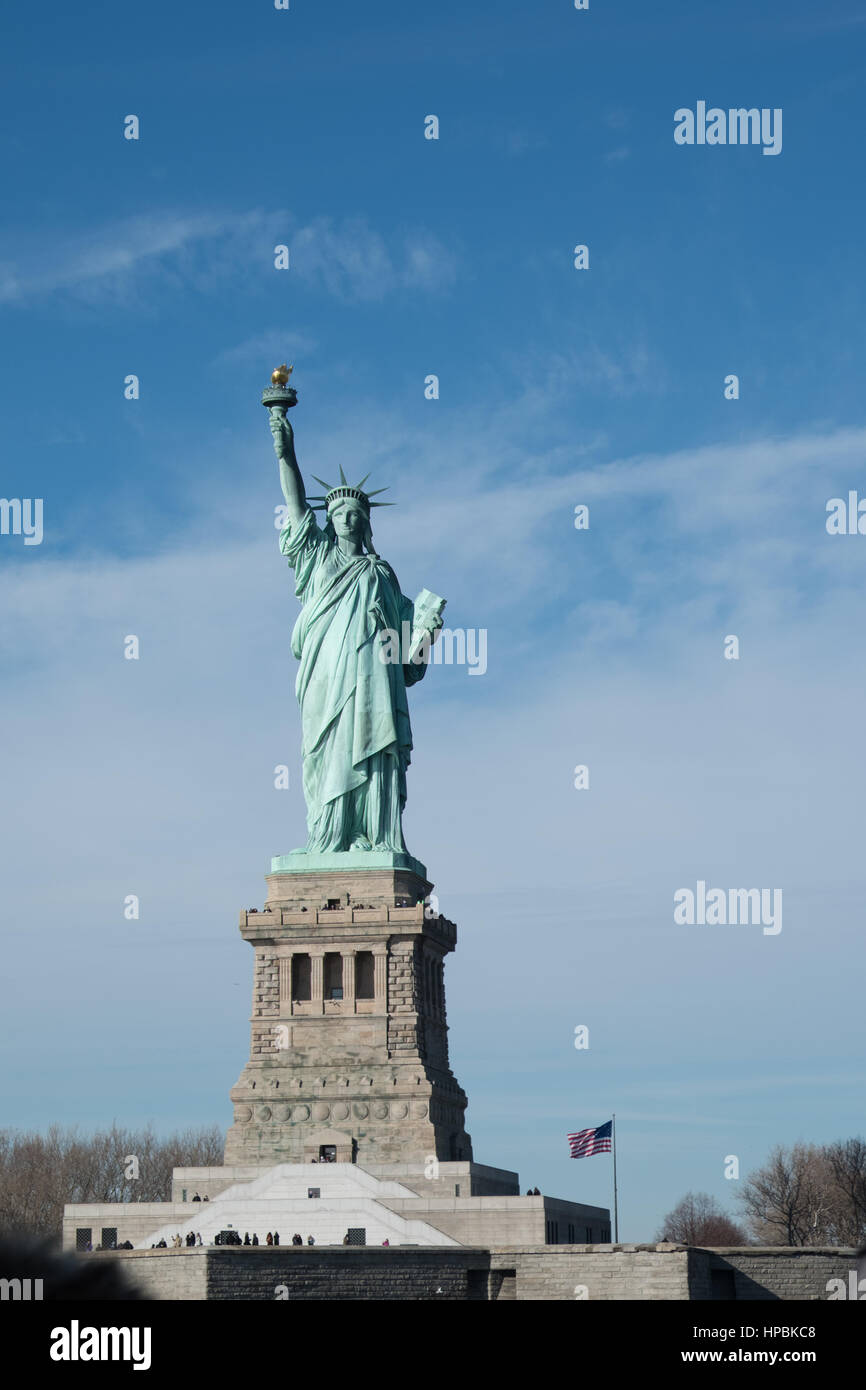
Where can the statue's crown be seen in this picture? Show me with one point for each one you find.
(344, 489)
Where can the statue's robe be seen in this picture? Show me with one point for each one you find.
(357, 739)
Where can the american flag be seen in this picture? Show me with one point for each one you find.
(591, 1141)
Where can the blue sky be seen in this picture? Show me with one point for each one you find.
(604, 386)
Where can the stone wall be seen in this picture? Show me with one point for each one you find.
(164, 1275)
(473, 1179)
(402, 1017)
(133, 1221)
(773, 1272)
(350, 1274)
(524, 1273)
(370, 1273)
(510, 1221)
(596, 1273)
(266, 989)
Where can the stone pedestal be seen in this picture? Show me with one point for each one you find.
(349, 1050)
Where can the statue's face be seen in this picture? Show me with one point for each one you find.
(349, 521)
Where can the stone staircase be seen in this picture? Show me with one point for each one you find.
(278, 1200)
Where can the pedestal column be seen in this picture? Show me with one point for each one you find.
(317, 981)
(349, 981)
(380, 975)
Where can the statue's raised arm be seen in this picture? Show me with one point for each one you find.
(290, 474)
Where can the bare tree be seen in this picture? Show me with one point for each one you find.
(698, 1219)
(847, 1164)
(796, 1198)
(39, 1173)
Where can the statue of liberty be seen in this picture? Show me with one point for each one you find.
(351, 688)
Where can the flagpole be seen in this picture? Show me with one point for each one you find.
(615, 1199)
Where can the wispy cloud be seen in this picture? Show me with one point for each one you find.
(106, 260)
(617, 368)
(125, 261)
(352, 261)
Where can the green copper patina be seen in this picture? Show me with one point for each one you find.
(357, 738)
